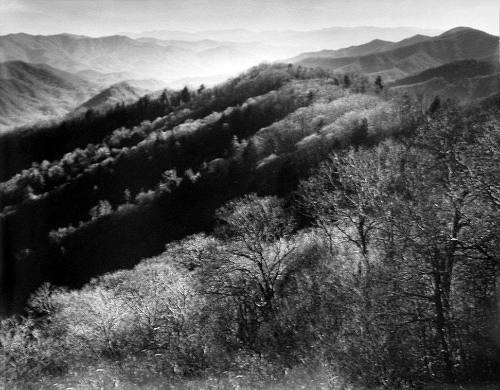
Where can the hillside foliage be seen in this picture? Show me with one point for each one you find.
(292, 220)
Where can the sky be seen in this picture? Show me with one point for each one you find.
(108, 17)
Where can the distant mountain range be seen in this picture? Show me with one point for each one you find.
(327, 38)
(137, 59)
(372, 47)
(49, 76)
(92, 66)
(95, 64)
(111, 54)
(407, 57)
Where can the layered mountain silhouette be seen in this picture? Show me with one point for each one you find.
(408, 57)
(111, 54)
(30, 93)
(48, 76)
(127, 58)
(372, 47)
(327, 38)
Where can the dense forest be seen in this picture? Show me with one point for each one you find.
(291, 225)
(122, 185)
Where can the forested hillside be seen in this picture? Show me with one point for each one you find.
(122, 93)
(114, 165)
(463, 81)
(31, 93)
(296, 223)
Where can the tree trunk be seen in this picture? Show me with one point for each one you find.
(441, 327)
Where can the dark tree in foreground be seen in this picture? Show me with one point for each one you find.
(347, 81)
(435, 105)
(379, 85)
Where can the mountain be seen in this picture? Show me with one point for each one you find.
(367, 48)
(112, 54)
(203, 184)
(112, 59)
(161, 167)
(37, 92)
(451, 72)
(30, 93)
(375, 46)
(128, 181)
(411, 56)
(462, 81)
(123, 92)
(327, 38)
(172, 57)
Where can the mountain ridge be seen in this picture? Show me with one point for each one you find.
(273, 35)
(463, 81)
(122, 92)
(166, 61)
(36, 92)
(406, 59)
